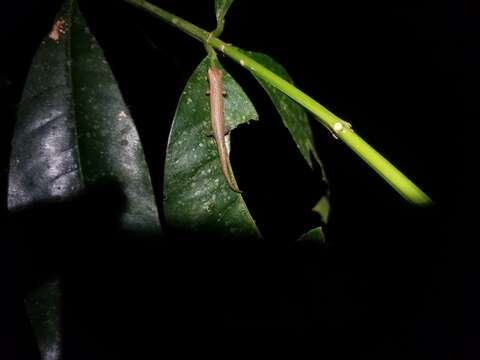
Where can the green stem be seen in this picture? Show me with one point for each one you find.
(337, 126)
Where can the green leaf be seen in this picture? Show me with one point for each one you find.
(74, 130)
(44, 309)
(295, 118)
(323, 209)
(221, 8)
(197, 199)
(74, 133)
(293, 115)
(313, 236)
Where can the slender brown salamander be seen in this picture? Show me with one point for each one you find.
(218, 122)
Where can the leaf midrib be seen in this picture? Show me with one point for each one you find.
(70, 79)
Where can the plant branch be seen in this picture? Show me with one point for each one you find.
(341, 129)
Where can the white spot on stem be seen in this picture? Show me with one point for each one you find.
(337, 127)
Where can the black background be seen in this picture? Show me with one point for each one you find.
(392, 280)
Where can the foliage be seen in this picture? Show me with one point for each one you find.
(75, 136)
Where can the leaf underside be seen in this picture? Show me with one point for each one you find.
(197, 199)
(314, 236)
(221, 8)
(295, 119)
(294, 116)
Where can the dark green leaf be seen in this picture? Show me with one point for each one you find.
(221, 8)
(323, 209)
(74, 130)
(296, 120)
(197, 197)
(293, 115)
(44, 309)
(314, 237)
(75, 133)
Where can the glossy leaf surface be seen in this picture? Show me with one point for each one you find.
(75, 131)
(197, 197)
